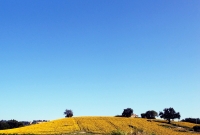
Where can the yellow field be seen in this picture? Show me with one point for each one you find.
(101, 125)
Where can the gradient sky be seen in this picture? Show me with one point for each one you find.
(98, 57)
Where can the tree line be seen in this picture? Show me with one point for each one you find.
(10, 124)
(192, 120)
(167, 114)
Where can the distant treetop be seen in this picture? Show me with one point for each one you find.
(68, 113)
(127, 112)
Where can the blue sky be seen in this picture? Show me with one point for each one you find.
(98, 57)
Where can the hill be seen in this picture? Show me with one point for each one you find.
(105, 125)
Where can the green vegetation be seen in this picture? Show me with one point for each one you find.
(118, 132)
(192, 120)
(10, 124)
(127, 112)
(169, 113)
(196, 128)
(151, 114)
(68, 113)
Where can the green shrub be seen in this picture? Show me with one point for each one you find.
(118, 132)
(196, 128)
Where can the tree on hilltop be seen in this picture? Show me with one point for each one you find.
(149, 114)
(127, 112)
(68, 113)
(169, 113)
(143, 115)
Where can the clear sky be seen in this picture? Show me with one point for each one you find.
(98, 57)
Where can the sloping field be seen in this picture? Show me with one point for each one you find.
(102, 125)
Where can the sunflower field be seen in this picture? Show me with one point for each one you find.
(105, 125)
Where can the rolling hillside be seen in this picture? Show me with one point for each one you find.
(105, 125)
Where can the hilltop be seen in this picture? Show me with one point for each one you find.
(105, 125)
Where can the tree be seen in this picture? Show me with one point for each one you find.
(68, 113)
(10, 124)
(4, 125)
(143, 115)
(169, 113)
(127, 112)
(151, 114)
(192, 120)
(14, 123)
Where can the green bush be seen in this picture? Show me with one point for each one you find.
(118, 132)
(196, 128)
